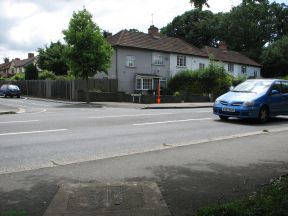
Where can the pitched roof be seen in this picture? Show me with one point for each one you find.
(5, 66)
(230, 56)
(157, 43)
(24, 62)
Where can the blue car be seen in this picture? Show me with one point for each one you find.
(10, 90)
(255, 99)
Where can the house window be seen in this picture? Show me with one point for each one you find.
(244, 69)
(130, 61)
(158, 60)
(230, 67)
(147, 83)
(163, 83)
(138, 84)
(181, 61)
(201, 66)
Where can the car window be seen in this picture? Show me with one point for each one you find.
(3, 87)
(276, 86)
(253, 86)
(13, 87)
(285, 87)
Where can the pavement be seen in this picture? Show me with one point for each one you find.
(12, 110)
(183, 179)
(8, 109)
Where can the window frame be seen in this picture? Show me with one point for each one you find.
(130, 61)
(181, 61)
(201, 66)
(244, 69)
(231, 67)
(158, 60)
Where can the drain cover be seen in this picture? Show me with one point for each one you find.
(127, 199)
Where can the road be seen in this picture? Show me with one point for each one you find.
(50, 133)
(194, 158)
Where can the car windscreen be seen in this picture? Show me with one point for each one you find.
(12, 87)
(253, 86)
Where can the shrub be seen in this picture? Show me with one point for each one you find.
(211, 80)
(17, 76)
(47, 75)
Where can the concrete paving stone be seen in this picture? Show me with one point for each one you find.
(135, 199)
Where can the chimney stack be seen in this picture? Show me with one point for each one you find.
(223, 45)
(154, 31)
(30, 55)
(6, 60)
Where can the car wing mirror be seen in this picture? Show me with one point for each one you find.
(274, 92)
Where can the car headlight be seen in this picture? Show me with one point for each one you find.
(249, 103)
(217, 101)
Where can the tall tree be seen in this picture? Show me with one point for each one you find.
(52, 58)
(199, 28)
(87, 52)
(199, 3)
(247, 28)
(275, 58)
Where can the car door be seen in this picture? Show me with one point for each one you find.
(275, 99)
(285, 97)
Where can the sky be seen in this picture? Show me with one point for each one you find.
(26, 25)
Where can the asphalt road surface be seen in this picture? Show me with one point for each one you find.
(50, 133)
(194, 158)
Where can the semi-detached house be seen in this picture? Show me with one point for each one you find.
(141, 60)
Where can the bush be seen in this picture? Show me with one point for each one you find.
(18, 76)
(211, 80)
(47, 75)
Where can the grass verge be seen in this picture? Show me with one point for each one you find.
(271, 200)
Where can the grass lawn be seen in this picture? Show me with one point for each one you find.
(271, 200)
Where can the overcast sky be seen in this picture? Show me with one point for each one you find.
(26, 25)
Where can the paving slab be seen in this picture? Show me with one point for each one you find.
(127, 199)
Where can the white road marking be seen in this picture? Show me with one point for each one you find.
(33, 132)
(174, 121)
(12, 122)
(136, 115)
(42, 111)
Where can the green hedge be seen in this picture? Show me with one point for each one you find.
(210, 80)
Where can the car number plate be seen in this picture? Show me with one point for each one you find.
(226, 109)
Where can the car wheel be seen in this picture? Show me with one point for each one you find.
(223, 117)
(18, 96)
(263, 115)
(11, 96)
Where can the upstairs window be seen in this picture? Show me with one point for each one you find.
(230, 67)
(201, 66)
(130, 61)
(244, 69)
(181, 61)
(158, 60)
